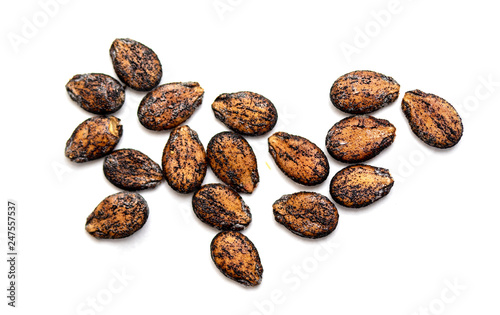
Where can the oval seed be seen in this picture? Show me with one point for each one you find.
(363, 92)
(233, 161)
(118, 216)
(300, 159)
(93, 139)
(432, 119)
(358, 186)
(130, 169)
(306, 214)
(221, 207)
(96, 92)
(169, 105)
(184, 160)
(135, 64)
(237, 258)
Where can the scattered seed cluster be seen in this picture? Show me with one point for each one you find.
(354, 139)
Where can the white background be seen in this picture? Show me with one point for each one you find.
(438, 227)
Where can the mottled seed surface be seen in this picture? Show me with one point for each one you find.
(118, 216)
(130, 169)
(247, 113)
(300, 159)
(233, 161)
(432, 119)
(359, 138)
(184, 160)
(93, 139)
(169, 105)
(237, 258)
(96, 92)
(221, 207)
(358, 186)
(135, 64)
(306, 214)
(363, 92)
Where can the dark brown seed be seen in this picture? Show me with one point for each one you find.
(363, 92)
(432, 119)
(130, 169)
(299, 158)
(96, 92)
(233, 161)
(169, 105)
(359, 138)
(118, 216)
(247, 113)
(135, 64)
(221, 207)
(358, 186)
(306, 214)
(237, 258)
(94, 138)
(184, 160)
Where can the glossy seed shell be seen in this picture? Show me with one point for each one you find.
(169, 105)
(306, 214)
(184, 160)
(363, 92)
(135, 64)
(233, 161)
(97, 93)
(300, 159)
(118, 216)
(130, 169)
(358, 186)
(246, 113)
(237, 258)
(432, 119)
(221, 207)
(93, 139)
(357, 139)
